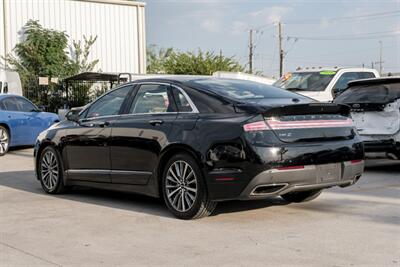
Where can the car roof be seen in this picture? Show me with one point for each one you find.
(371, 81)
(175, 78)
(332, 69)
(2, 96)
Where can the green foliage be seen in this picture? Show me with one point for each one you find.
(201, 63)
(156, 58)
(44, 52)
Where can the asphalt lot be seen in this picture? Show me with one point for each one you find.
(359, 225)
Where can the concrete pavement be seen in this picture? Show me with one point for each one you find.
(359, 226)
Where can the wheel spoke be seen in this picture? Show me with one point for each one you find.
(181, 186)
(49, 170)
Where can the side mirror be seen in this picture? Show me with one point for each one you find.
(73, 114)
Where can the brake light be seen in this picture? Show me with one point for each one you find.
(355, 161)
(276, 124)
(255, 126)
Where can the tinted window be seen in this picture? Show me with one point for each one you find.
(152, 98)
(25, 105)
(181, 101)
(206, 103)
(109, 104)
(10, 104)
(347, 77)
(306, 81)
(376, 93)
(240, 89)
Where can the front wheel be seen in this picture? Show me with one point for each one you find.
(302, 196)
(50, 171)
(4, 141)
(184, 189)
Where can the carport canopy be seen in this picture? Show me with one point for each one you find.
(95, 77)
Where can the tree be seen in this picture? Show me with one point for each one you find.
(156, 58)
(200, 63)
(44, 52)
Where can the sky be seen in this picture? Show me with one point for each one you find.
(315, 33)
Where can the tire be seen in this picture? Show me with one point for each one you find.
(303, 196)
(50, 171)
(184, 190)
(4, 140)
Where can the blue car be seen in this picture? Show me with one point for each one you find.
(21, 122)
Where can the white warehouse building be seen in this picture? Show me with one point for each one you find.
(118, 24)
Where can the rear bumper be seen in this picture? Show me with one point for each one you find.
(382, 149)
(277, 182)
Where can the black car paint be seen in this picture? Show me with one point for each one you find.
(128, 152)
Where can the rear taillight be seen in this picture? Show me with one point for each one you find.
(255, 126)
(276, 124)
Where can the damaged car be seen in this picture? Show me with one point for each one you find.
(194, 141)
(375, 109)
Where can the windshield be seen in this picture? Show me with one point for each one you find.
(376, 93)
(241, 89)
(306, 81)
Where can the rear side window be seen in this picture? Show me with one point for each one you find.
(347, 77)
(109, 104)
(10, 104)
(206, 103)
(181, 101)
(374, 93)
(153, 98)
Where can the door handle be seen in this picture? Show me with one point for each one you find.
(100, 124)
(103, 124)
(156, 122)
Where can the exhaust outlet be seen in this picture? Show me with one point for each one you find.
(271, 189)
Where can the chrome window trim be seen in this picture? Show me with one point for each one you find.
(192, 105)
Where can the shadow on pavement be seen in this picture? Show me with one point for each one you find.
(26, 181)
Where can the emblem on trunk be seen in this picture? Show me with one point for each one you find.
(356, 105)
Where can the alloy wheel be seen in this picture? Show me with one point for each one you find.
(181, 186)
(49, 170)
(4, 141)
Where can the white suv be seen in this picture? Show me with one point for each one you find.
(323, 84)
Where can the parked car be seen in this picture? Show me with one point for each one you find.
(21, 122)
(196, 141)
(10, 83)
(375, 109)
(323, 84)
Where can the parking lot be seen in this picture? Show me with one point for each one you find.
(358, 225)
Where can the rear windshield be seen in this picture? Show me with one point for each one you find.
(241, 90)
(375, 93)
(306, 81)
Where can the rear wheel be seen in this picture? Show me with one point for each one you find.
(184, 189)
(302, 196)
(50, 171)
(4, 140)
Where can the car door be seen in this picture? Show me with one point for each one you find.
(15, 120)
(88, 142)
(35, 125)
(139, 135)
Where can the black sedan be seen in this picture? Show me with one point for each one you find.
(194, 141)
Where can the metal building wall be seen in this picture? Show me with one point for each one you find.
(118, 24)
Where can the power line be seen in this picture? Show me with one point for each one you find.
(346, 18)
(360, 36)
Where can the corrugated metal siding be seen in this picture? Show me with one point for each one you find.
(119, 28)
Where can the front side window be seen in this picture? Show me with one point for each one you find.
(347, 77)
(109, 104)
(25, 105)
(152, 98)
(10, 104)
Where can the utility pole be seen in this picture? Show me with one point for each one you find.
(251, 48)
(380, 57)
(280, 49)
